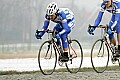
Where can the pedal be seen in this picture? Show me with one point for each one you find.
(60, 63)
(114, 59)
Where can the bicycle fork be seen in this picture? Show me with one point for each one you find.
(46, 55)
(101, 46)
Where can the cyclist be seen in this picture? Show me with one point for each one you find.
(64, 18)
(114, 8)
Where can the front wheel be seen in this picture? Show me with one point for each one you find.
(75, 56)
(47, 58)
(99, 56)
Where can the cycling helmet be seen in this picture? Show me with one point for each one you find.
(52, 8)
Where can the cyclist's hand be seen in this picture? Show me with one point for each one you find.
(57, 36)
(109, 31)
(38, 34)
(90, 30)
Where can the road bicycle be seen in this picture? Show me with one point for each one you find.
(100, 51)
(50, 52)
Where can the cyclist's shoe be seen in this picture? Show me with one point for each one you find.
(64, 57)
(117, 53)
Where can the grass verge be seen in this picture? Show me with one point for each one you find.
(85, 69)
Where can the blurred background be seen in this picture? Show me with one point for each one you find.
(19, 20)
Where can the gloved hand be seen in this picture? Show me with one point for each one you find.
(57, 36)
(38, 34)
(109, 31)
(90, 30)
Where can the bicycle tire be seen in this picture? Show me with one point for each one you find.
(47, 58)
(76, 64)
(99, 56)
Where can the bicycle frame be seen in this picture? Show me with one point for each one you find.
(52, 40)
(69, 46)
(60, 50)
(106, 40)
(104, 36)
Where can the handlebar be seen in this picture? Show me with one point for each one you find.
(105, 27)
(47, 31)
(100, 26)
(54, 32)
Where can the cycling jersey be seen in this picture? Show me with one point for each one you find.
(115, 19)
(65, 22)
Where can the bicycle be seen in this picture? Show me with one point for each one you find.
(100, 51)
(50, 52)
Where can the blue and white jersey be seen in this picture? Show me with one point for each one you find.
(64, 16)
(114, 9)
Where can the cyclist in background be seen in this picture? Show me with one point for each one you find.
(114, 8)
(65, 23)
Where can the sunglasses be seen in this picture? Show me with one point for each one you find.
(106, 1)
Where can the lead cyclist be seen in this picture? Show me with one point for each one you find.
(64, 18)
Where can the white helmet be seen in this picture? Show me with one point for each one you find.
(52, 8)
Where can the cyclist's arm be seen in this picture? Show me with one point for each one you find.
(100, 14)
(98, 19)
(46, 24)
(117, 16)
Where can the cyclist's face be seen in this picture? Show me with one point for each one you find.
(107, 3)
(52, 17)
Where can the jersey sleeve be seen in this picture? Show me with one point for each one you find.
(45, 25)
(100, 14)
(117, 15)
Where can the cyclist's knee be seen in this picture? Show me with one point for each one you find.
(65, 43)
(117, 29)
(111, 36)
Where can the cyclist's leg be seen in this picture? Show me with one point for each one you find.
(64, 34)
(118, 35)
(117, 50)
(118, 41)
(65, 46)
(64, 42)
(58, 28)
(111, 37)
